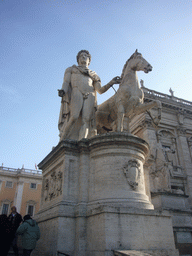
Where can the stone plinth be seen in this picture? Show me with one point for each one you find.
(111, 228)
(116, 171)
(94, 199)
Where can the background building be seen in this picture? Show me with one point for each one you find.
(168, 169)
(22, 188)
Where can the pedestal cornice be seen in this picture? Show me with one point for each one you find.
(119, 138)
(113, 138)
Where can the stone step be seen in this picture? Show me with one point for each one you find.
(131, 253)
(145, 253)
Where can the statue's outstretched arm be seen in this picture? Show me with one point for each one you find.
(101, 89)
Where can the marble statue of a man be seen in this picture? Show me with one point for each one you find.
(79, 103)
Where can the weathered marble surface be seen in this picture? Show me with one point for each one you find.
(113, 228)
(102, 204)
(116, 113)
(79, 103)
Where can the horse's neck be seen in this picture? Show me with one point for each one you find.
(130, 77)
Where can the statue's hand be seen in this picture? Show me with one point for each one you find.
(116, 80)
(61, 93)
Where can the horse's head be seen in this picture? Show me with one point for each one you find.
(139, 63)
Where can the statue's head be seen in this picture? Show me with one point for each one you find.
(79, 53)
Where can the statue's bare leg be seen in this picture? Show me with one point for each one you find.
(120, 117)
(75, 109)
(87, 115)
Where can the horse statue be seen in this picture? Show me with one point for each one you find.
(116, 113)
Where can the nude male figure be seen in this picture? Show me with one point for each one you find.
(78, 94)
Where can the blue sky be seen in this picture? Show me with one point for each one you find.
(41, 38)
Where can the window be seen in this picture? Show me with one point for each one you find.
(9, 184)
(30, 207)
(30, 210)
(5, 209)
(33, 185)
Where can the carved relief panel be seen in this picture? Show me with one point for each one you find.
(52, 185)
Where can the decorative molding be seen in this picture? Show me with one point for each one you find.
(4, 201)
(173, 139)
(132, 173)
(181, 131)
(20, 182)
(189, 140)
(31, 202)
(180, 116)
(165, 133)
(146, 124)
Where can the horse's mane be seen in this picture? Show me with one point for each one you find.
(132, 57)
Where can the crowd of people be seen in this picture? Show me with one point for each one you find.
(13, 225)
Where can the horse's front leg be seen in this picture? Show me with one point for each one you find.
(126, 122)
(120, 117)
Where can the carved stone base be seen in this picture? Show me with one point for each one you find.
(94, 200)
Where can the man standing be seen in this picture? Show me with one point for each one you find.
(15, 219)
(79, 101)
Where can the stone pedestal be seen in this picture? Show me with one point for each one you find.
(94, 199)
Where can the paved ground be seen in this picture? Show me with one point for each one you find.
(11, 253)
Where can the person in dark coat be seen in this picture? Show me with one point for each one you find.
(30, 233)
(15, 219)
(6, 235)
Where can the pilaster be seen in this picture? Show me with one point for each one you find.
(185, 159)
(18, 199)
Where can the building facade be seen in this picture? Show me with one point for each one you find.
(21, 188)
(168, 169)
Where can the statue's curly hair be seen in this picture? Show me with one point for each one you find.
(78, 55)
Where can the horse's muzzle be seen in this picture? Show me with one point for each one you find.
(148, 68)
